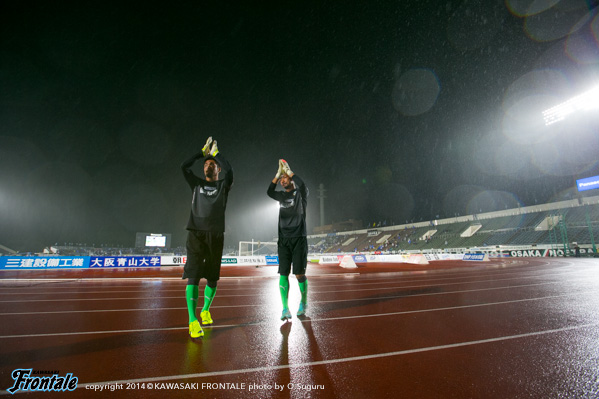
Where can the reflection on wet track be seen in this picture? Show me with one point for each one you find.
(505, 328)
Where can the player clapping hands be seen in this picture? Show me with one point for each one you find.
(210, 148)
(283, 169)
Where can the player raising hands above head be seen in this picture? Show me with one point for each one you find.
(206, 227)
(292, 244)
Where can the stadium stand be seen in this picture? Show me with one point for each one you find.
(561, 223)
(565, 223)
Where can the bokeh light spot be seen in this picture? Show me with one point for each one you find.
(523, 8)
(491, 200)
(557, 22)
(595, 28)
(583, 46)
(523, 122)
(415, 92)
(551, 82)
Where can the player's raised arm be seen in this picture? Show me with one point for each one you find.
(208, 147)
(286, 168)
(227, 170)
(275, 180)
(272, 193)
(188, 163)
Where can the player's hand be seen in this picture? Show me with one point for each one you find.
(286, 168)
(206, 148)
(280, 170)
(214, 149)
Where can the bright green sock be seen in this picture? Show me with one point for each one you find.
(191, 294)
(284, 288)
(304, 290)
(209, 294)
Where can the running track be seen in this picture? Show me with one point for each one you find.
(511, 328)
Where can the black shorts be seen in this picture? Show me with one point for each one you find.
(204, 254)
(293, 250)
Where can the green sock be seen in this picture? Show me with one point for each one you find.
(191, 294)
(304, 290)
(209, 294)
(284, 288)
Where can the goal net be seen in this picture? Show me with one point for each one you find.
(251, 248)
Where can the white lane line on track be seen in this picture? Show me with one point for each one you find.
(312, 320)
(262, 304)
(368, 279)
(124, 279)
(362, 283)
(342, 360)
(492, 267)
(403, 287)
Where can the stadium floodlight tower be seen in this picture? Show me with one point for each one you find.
(584, 102)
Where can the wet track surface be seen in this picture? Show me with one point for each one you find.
(510, 328)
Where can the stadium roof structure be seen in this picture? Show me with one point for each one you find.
(12, 251)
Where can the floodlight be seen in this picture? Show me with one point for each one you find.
(583, 102)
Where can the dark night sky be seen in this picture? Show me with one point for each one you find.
(404, 110)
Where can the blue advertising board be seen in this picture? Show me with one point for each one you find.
(43, 262)
(124, 261)
(272, 260)
(479, 257)
(76, 262)
(359, 258)
(588, 183)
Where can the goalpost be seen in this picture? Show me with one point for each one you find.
(250, 248)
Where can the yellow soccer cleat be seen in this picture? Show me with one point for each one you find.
(206, 317)
(195, 330)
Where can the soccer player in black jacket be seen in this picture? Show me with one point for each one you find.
(206, 228)
(293, 243)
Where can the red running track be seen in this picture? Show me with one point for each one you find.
(509, 328)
